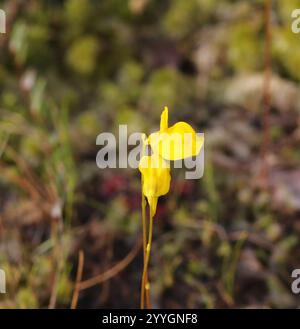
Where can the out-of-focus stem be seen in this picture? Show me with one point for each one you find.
(78, 279)
(266, 94)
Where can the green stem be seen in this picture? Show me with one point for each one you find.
(145, 283)
(144, 244)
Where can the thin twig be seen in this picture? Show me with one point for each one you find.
(78, 279)
(112, 271)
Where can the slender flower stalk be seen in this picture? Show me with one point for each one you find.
(144, 244)
(145, 282)
(145, 288)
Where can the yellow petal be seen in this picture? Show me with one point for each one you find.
(177, 142)
(152, 200)
(155, 179)
(164, 119)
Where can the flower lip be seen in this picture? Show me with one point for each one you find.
(178, 142)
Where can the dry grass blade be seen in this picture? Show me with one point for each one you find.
(78, 279)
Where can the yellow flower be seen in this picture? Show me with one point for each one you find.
(155, 179)
(177, 142)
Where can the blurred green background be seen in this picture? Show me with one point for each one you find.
(72, 69)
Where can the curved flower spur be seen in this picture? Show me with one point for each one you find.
(177, 142)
